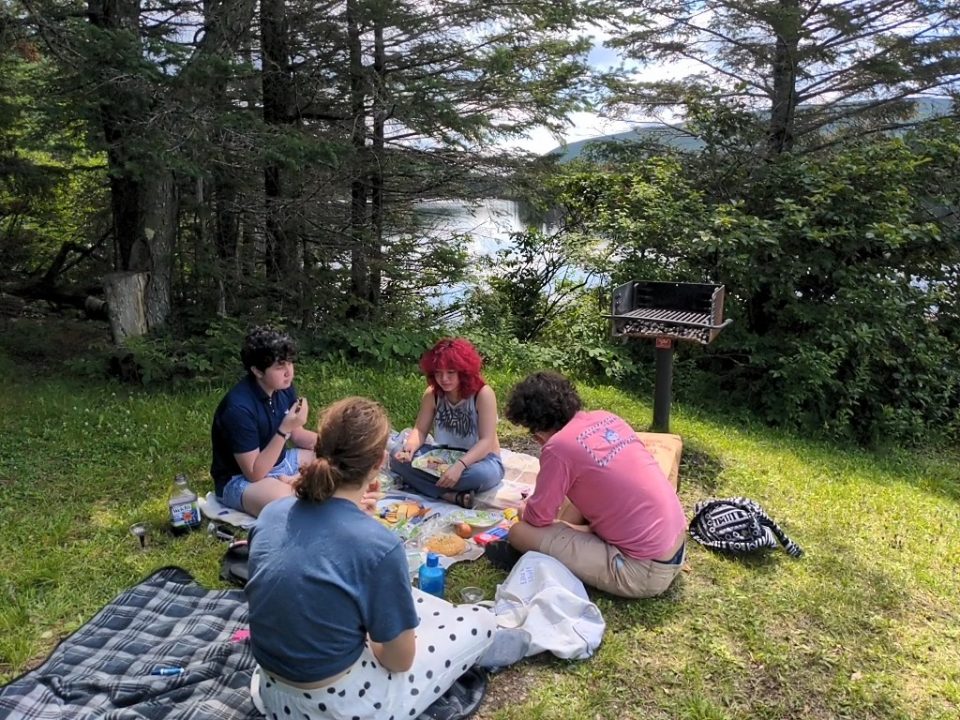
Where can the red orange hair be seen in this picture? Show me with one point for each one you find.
(454, 354)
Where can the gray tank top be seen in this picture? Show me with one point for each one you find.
(457, 426)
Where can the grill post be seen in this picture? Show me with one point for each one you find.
(663, 384)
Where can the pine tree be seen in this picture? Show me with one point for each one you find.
(804, 68)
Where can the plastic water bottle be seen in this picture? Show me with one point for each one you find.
(184, 508)
(432, 576)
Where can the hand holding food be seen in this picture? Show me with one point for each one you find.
(296, 416)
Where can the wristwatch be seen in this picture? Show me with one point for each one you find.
(284, 435)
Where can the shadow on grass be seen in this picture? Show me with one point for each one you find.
(700, 468)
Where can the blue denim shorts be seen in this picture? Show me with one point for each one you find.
(232, 495)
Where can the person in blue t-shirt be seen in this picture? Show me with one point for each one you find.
(254, 424)
(331, 611)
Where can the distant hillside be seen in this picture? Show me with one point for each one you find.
(664, 134)
(675, 136)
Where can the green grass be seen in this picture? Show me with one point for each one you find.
(864, 626)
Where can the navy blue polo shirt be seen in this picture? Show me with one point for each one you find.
(246, 419)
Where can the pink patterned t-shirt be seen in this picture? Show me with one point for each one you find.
(598, 462)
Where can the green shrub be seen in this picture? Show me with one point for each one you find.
(841, 271)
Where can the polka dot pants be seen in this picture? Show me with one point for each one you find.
(450, 639)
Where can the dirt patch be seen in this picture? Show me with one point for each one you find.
(522, 444)
(511, 686)
(700, 468)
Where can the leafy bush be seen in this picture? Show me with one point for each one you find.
(841, 272)
(582, 337)
(374, 343)
(164, 357)
(512, 355)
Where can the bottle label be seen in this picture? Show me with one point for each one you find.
(185, 514)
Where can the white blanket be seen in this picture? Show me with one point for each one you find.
(544, 598)
(213, 510)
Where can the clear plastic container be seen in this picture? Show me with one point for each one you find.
(415, 558)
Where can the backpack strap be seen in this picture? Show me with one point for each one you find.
(789, 545)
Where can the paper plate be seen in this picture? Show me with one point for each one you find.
(475, 518)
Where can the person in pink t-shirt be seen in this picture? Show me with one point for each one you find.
(602, 505)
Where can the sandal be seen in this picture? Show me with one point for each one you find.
(464, 499)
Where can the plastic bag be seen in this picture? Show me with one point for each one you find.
(544, 598)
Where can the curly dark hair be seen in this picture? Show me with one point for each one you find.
(543, 401)
(264, 345)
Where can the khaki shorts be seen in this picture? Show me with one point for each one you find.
(605, 567)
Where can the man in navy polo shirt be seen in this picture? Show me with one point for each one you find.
(255, 422)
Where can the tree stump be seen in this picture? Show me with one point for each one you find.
(11, 305)
(126, 304)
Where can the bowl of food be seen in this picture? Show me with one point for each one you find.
(477, 519)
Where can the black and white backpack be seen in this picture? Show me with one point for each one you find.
(738, 525)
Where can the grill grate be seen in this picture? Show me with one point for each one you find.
(692, 312)
(667, 311)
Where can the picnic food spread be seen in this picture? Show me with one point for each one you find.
(446, 544)
(437, 461)
(404, 511)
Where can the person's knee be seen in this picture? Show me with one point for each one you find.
(473, 482)
(570, 514)
(481, 476)
(524, 537)
(263, 492)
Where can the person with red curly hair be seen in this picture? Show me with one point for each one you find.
(462, 409)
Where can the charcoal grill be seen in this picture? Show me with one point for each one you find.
(667, 312)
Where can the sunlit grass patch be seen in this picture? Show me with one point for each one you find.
(865, 625)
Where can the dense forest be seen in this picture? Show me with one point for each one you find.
(201, 165)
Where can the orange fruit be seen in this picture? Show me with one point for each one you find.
(464, 530)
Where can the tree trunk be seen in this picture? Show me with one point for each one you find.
(784, 99)
(126, 294)
(143, 201)
(376, 173)
(278, 109)
(153, 250)
(227, 26)
(359, 260)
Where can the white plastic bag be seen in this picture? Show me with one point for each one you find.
(544, 598)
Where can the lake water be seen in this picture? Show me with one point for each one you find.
(489, 222)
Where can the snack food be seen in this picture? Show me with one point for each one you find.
(446, 544)
(437, 461)
(404, 510)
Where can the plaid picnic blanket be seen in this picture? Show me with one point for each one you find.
(167, 648)
(105, 669)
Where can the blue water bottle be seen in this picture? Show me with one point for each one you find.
(432, 576)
